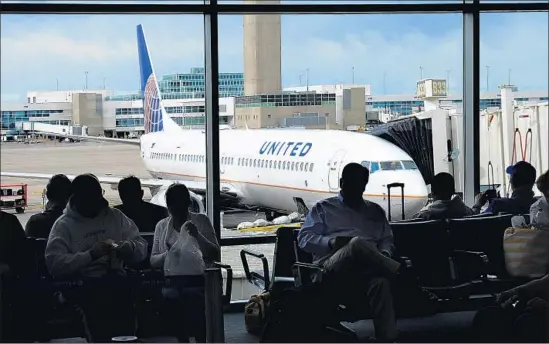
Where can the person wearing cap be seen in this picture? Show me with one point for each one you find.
(58, 191)
(522, 180)
(91, 238)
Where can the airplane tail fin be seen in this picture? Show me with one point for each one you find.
(155, 117)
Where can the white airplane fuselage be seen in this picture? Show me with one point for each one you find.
(269, 167)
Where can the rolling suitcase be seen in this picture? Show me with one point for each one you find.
(389, 187)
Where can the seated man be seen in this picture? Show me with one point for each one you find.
(144, 214)
(353, 240)
(58, 192)
(92, 240)
(523, 178)
(521, 316)
(539, 211)
(444, 206)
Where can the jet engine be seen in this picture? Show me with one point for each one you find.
(159, 198)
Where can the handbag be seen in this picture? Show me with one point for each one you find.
(184, 258)
(526, 252)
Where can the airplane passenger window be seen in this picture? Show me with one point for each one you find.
(306, 166)
(270, 164)
(311, 167)
(293, 166)
(279, 163)
(374, 166)
(301, 166)
(390, 165)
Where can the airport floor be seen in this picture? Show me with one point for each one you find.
(441, 328)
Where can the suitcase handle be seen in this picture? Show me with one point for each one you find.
(389, 187)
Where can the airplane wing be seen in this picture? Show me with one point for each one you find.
(228, 191)
(134, 142)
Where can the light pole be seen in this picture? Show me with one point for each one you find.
(353, 75)
(487, 78)
(86, 84)
(57, 84)
(420, 73)
(509, 78)
(307, 78)
(104, 83)
(448, 81)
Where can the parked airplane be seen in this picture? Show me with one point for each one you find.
(263, 168)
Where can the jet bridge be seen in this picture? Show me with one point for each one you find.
(427, 137)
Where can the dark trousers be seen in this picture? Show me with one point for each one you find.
(358, 271)
(497, 325)
(108, 305)
(185, 310)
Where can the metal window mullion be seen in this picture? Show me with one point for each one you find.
(311, 8)
(211, 78)
(471, 103)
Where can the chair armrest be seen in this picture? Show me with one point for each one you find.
(479, 257)
(307, 266)
(229, 283)
(251, 275)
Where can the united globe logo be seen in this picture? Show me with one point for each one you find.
(151, 107)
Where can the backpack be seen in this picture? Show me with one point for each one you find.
(255, 312)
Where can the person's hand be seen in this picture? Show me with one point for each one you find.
(100, 249)
(481, 199)
(507, 298)
(124, 249)
(191, 228)
(338, 242)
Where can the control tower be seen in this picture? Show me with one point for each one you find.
(262, 52)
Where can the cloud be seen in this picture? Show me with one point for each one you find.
(386, 51)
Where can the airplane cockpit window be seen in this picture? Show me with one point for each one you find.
(390, 165)
(409, 165)
(374, 167)
(366, 164)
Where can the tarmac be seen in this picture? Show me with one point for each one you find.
(104, 159)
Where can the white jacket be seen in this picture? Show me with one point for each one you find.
(164, 230)
(539, 213)
(72, 237)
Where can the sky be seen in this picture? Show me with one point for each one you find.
(386, 51)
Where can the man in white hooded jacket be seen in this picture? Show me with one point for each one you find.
(91, 238)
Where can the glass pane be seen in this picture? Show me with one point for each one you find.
(409, 165)
(514, 85)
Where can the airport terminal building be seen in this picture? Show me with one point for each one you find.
(312, 106)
